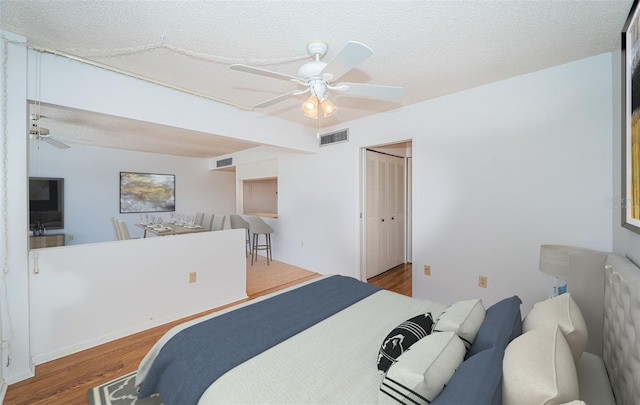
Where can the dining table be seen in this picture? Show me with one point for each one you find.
(168, 228)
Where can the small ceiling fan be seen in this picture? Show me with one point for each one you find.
(318, 78)
(39, 133)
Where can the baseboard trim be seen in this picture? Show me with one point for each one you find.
(3, 390)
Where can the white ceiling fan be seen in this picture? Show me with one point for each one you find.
(39, 133)
(318, 78)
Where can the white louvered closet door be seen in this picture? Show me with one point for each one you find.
(383, 207)
(372, 213)
(385, 212)
(398, 213)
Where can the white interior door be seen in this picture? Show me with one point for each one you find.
(398, 216)
(371, 214)
(409, 213)
(385, 203)
(383, 206)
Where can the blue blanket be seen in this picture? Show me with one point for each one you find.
(196, 356)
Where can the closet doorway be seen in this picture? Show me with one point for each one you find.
(385, 208)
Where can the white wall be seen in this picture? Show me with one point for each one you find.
(498, 171)
(90, 294)
(92, 193)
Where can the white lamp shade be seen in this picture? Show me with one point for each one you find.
(328, 107)
(554, 259)
(310, 107)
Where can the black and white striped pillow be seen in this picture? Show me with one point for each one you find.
(402, 337)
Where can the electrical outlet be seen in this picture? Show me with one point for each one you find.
(193, 276)
(482, 281)
(427, 270)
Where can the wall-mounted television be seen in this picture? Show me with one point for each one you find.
(46, 202)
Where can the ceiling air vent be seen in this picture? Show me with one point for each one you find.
(224, 162)
(334, 137)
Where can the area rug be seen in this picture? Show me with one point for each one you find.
(121, 391)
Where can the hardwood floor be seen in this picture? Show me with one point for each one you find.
(398, 279)
(66, 380)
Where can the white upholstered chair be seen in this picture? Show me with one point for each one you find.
(199, 219)
(217, 223)
(116, 228)
(124, 231)
(259, 227)
(237, 222)
(207, 220)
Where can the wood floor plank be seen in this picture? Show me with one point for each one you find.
(67, 380)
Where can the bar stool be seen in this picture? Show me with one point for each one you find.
(259, 227)
(237, 222)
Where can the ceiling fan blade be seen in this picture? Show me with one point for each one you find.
(55, 143)
(75, 141)
(279, 98)
(370, 90)
(349, 57)
(264, 72)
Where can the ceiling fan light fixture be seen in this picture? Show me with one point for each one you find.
(328, 107)
(310, 107)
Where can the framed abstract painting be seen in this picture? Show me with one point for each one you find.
(631, 122)
(147, 192)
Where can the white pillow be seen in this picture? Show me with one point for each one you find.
(564, 311)
(464, 318)
(422, 371)
(538, 368)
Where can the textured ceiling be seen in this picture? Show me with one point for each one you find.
(431, 48)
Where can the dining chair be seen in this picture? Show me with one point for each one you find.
(199, 218)
(259, 227)
(237, 222)
(217, 223)
(116, 228)
(207, 221)
(124, 231)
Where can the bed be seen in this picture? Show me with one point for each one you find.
(336, 340)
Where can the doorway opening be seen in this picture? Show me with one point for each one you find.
(385, 206)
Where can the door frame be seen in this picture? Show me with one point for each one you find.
(408, 191)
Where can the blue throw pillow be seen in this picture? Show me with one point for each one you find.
(502, 323)
(478, 381)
